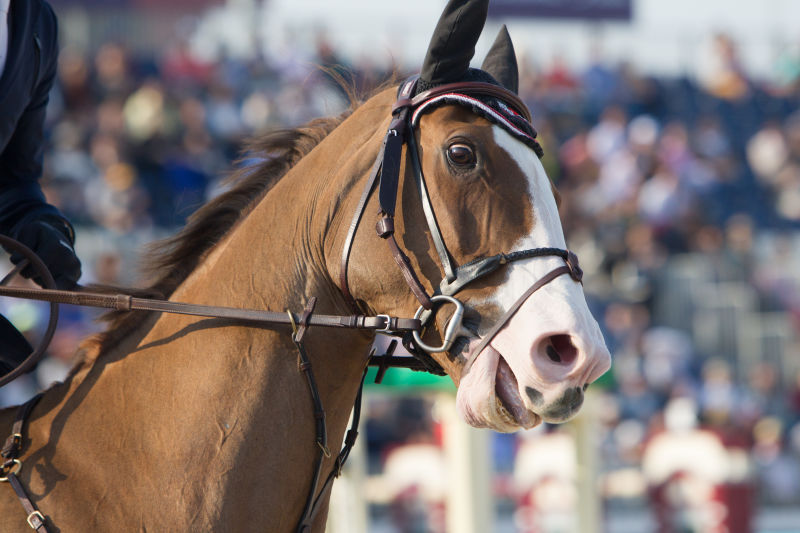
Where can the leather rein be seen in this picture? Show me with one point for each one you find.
(385, 176)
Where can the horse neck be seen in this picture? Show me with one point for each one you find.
(275, 259)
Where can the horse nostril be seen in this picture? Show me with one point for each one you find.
(552, 354)
(559, 349)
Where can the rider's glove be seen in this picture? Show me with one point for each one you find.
(51, 238)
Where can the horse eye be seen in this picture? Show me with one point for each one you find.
(461, 155)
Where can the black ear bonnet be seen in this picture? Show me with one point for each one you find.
(492, 109)
(447, 61)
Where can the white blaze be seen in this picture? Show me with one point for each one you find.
(557, 309)
(547, 231)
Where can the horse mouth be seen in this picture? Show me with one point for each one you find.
(510, 405)
(488, 395)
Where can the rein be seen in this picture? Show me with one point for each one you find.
(385, 176)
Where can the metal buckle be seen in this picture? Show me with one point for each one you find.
(388, 319)
(38, 515)
(452, 329)
(12, 469)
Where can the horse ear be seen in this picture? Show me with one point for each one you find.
(501, 61)
(453, 43)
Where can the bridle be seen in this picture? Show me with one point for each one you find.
(385, 175)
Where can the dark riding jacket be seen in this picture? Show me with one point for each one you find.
(25, 84)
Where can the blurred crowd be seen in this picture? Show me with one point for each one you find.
(655, 174)
(700, 175)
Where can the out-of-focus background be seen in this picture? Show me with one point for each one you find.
(673, 133)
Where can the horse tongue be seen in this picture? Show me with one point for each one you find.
(506, 389)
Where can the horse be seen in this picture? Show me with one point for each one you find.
(187, 423)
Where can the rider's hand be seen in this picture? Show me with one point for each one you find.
(52, 239)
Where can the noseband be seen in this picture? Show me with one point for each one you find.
(385, 174)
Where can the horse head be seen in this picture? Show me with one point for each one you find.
(478, 212)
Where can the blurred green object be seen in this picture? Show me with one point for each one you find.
(606, 381)
(402, 378)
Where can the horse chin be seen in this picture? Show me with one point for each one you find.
(488, 395)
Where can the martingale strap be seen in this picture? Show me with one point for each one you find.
(12, 465)
(313, 500)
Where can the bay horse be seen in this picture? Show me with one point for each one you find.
(183, 423)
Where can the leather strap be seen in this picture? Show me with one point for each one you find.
(341, 459)
(321, 438)
(30, 260)
(11, 451)
(13, 444)
(387, 168)
(392, 155)
(124, 302)
(541, 282)
(484, 266)
(408, 273)
(313, 500)
(356, 220)
(35, 518)
(427, 209)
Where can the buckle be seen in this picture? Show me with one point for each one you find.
(38, 516)
(12, 466)
(451, 331)
(385, 329)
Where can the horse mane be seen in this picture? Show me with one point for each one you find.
(170, 261)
